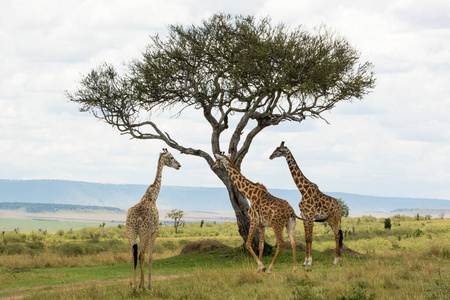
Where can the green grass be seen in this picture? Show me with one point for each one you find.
(228, 274)
(410, 261)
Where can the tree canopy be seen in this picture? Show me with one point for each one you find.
(228, 65)
(177, 216)
(344, 207)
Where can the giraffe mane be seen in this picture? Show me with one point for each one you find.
(262, 186)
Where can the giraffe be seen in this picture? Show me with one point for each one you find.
(143, 219)
(315, 206)
(265, 210)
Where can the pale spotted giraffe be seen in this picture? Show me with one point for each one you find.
(265, 210)
(314, 206)
(143, 220)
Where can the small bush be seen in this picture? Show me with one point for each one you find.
(12, 237)
(36, 246)
(387, 223)
(70, 249)
(12, 249)
(417, 233)
(93, 248)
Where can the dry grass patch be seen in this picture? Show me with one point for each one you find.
(202, 246)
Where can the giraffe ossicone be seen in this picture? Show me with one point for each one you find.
(314, 206)
(143, 220)
(265, 210)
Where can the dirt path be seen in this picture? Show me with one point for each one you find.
(26, 292)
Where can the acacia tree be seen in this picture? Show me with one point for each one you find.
(230, 68)
(176, 215)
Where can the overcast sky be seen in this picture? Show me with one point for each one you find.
(395, 142)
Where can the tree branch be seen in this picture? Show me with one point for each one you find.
(134, 131)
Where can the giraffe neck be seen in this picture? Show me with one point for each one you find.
(245, 186)
(300, 179)
(153, 190)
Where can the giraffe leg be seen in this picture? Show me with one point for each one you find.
(131, 234)
(280, 245)
(144, 243)
(150, 259)
(291, 231)
(248, 244)
(135, 254)
(141, 265)
(334, 223)
(309, 225)
(262, 230)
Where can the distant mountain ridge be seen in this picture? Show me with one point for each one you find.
(184, 198)
(47, 207)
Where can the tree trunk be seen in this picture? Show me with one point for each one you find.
(241, 206)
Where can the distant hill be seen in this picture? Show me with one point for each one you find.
(423, 211)
(184, 198)
(46, 207)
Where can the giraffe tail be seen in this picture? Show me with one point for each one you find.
(135, 253)
(320, 220)
(294, 215)
(341, 237)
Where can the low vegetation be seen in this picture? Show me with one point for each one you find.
(411, 260)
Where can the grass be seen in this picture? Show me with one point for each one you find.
(214, 276)
(401, 263)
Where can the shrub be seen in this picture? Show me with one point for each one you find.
(70, 249)
(387, 223)
(12, 237)
(417, 233)
(37, 236)
(12, 249)
(36, 246)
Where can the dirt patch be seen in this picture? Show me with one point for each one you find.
(202, 246)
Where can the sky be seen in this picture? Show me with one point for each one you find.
(393, 142)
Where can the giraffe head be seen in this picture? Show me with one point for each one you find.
(280, 151)
(221, 160)
(169, 160)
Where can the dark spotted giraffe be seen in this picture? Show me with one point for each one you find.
(265, 210)
(314, 206)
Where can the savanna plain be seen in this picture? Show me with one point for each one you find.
(411, 260)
